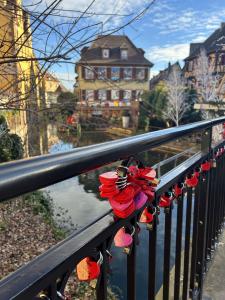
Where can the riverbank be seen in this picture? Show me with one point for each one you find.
(28, 229)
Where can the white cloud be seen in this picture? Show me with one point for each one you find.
(168, 53)
(97, 10)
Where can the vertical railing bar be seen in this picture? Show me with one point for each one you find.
(215, 204)
(101, 290)
(131, 267)
(211, 213)
(167, 246)
(178, 247)
(218, 193)
(152, 256)
(53, 291)
(203, 210)
(194, 239)
(187, 243)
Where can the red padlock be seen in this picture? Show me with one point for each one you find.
(197, 171)
(88, 269)
(191, 180)
(149, 191)
(205, 166)
(108, 178)
(125, 195)
(147, 173)
(178, 189)
(166, 200)
(146, 216)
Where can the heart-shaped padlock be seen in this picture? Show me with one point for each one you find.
(108, 178)
(140, 199)
(191, 180)
(166, 200)
(124, 240)
(147, 216)
(89, 269)
(178, 189)
(205, 166)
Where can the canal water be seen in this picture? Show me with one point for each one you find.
(79, 196)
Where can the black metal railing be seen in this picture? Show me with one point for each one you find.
(203, 208)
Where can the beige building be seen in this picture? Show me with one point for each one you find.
(112, 73)
(53, 88)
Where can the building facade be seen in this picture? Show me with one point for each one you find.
(163, 75)
(53, 88)
(21, 82)
(112, 73)
(214, 47)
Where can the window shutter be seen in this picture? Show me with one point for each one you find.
(121, 95)
(96, 94)
(83, 72)
(146, 74)
(121, 73)
(134, 73)
(108, 95)
(133, 95)
(83, 95)
(95, 72)
(109, 73)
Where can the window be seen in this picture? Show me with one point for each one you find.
(115, 94)
(124, 54)
(89, 95)
(127, 94)
(190, 66)
(115, 73)
(89, 73)
(140, 73)
(127, 73)
(105, 53)
(102, 95)
(139, 93)
(102, 73)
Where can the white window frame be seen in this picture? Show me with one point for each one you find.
(102, 75)
(127, 92)
(105, 53)
(143, 74)
(103, 98)
(88, 72)
(87, 95)
(115, 94)
(117, 78)
(131, 73)
(124, 54)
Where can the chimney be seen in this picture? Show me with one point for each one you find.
(222, 26)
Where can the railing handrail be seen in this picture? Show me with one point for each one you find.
(32, 275)
(26, 175)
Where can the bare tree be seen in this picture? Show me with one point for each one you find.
(176, 97)
(207, 82)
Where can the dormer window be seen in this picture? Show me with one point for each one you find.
(124, 54)
(105, 53)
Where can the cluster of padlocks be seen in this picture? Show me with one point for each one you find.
(132, 188)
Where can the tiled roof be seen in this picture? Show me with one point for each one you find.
(215, 42)
(115, 43)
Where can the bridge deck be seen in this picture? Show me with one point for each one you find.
(214, 287)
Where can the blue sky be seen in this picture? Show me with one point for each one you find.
(164, 32)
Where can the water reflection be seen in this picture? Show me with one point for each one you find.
(81, 197)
